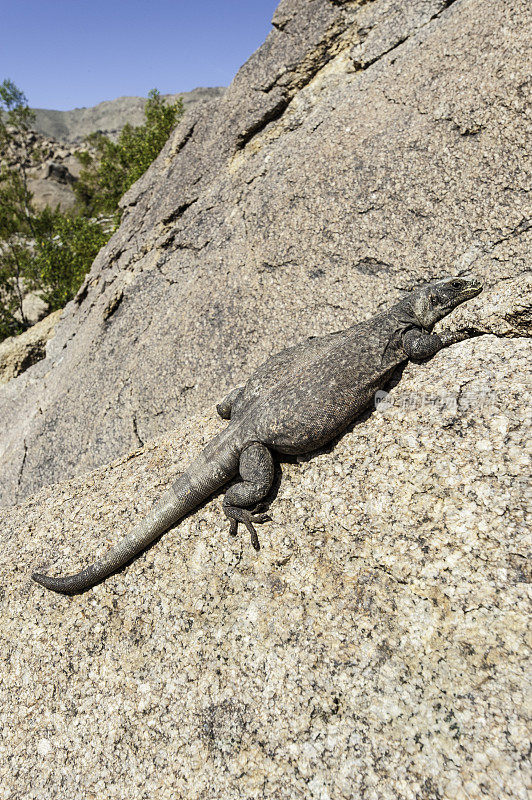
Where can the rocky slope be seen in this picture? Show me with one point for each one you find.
(374, 648)
(51, 167)
(363, 148)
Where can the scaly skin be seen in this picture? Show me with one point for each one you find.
(295, 402)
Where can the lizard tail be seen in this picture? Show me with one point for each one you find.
(164, 514)
(211, 470)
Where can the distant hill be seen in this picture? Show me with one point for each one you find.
(58, 135)
(108, 117)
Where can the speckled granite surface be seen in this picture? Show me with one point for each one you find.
(375, 648)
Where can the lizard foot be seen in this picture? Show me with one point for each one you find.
(236, 515)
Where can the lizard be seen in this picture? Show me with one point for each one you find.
(297, 401)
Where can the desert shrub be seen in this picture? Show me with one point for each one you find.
(65, 247)
(16, 212)
(116, 166)
(50, 251)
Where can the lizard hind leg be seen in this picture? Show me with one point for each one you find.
(256, 470)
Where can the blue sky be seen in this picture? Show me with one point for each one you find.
(70, 53)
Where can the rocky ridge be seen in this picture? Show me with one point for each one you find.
(110, 116)
(48, 152)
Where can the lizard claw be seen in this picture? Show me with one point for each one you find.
(260, 518)
(236, 515)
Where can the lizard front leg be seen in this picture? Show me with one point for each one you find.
(256, 470)
(419, 345)
(224, 408)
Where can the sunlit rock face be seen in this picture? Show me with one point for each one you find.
(362, 149)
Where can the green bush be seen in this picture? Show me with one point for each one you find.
(16, 213)
(15, 253)
(50, 251)
(117, 165)
(65, 248)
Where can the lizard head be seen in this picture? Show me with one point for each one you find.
(435, 300)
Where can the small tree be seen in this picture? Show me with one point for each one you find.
(65, 248)
(50, 251)
(117, 165)
(16, 211)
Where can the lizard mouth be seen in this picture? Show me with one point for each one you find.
(472, 290)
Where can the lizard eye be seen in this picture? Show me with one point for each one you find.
(456, 284)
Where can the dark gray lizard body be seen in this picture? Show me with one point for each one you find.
(294, 403)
